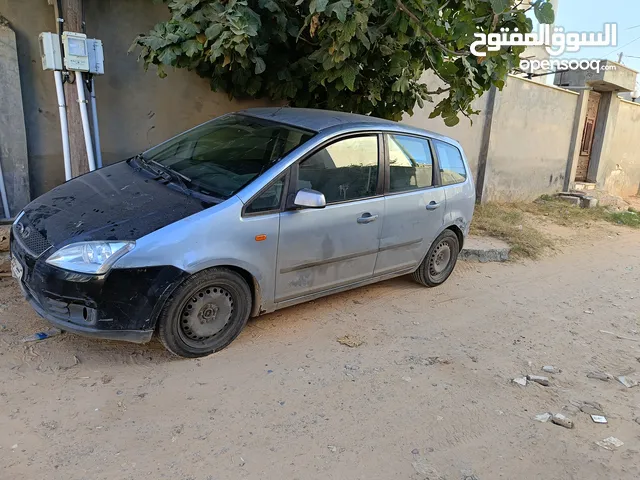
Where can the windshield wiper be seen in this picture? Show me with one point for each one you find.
(177, 177)
(162, 171)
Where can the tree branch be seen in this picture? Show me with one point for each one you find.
(388, 20)
(307, 41)
(438, 91)
(403, 7)
(436, 71)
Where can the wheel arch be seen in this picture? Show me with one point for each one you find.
(252, 282)
(458, 231)
(254, 286)
(249, 272)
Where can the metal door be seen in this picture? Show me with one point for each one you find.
(587, 136)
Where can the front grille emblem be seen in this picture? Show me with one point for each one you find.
(32, 240)
(23, 231)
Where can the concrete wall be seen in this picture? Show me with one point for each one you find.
(530, 140)
(620, 166)
(135, 110)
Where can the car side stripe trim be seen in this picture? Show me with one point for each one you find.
(348, 257)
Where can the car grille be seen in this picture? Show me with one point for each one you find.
(30, 238)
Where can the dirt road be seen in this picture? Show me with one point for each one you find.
(427, 396)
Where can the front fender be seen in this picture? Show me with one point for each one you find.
(216, 237)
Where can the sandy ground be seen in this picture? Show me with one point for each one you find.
(428, 395)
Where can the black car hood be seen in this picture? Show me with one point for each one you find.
(117, 202)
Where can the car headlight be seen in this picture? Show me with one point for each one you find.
(90, 257)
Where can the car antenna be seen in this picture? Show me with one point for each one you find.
(278, 110)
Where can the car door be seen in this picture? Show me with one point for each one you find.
(414, 203)
(319, 249)
(457, 185)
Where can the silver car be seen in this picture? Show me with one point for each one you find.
(240, 216)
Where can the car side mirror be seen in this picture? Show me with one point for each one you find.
(308, 198)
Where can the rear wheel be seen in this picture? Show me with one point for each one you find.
(205, 314)
(440, 260)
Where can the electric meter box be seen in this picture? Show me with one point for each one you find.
(96, 56)
(76, 52)
(50, 51)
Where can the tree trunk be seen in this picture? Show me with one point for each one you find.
(72, 14)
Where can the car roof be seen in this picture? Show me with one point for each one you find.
(319, 120)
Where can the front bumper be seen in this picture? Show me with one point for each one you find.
(122, 304)
(135, 336)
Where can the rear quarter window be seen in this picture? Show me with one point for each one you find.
(450, 162)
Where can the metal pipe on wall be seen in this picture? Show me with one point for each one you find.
(96, 130)
(84, 114)
(64, 128)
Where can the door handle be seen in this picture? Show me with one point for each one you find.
(367, 218)
(433, 205)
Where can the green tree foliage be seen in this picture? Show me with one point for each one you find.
(363, 56)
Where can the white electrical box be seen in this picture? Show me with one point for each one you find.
(74, 45)
(50, 51)
(96, 56)
(76, 52)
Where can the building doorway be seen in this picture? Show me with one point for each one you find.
(587, 136)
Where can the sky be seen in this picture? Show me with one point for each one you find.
(591, 15)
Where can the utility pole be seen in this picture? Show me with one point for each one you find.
(620, 57)
(71, 12)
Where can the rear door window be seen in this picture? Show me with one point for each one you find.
(451, 164)
(410, 163)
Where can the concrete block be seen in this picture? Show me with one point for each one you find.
(584, 186)
(588, 202)
(572, 199)
(484, 249)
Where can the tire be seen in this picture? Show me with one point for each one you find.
(205, 313)
(440, 260)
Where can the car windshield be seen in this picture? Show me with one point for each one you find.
(224, 155)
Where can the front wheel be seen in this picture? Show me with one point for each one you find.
(440, 260)
(205, 313)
